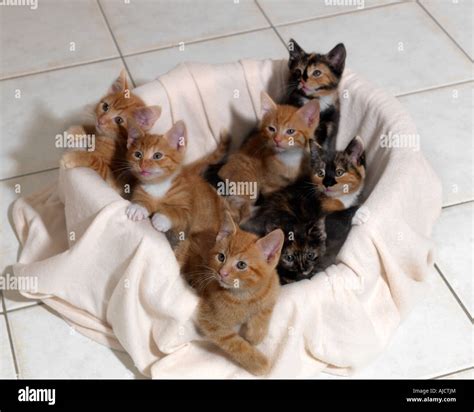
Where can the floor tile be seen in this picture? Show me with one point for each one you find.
(7, 367)
(141, 25)
(453, 234)
(435, 339)
(444, 121)
(40, 39)
(258, 45)
(456, 18)
(467, 374)
(47, 348)
(397, 47)
(9, 245)
(290, 11)
(48, 104)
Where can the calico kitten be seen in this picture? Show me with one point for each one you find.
(317, 76)
(113, 113)
(297, 210)
(175, 195)
(339, 175)
(276, 155)
(238, 287)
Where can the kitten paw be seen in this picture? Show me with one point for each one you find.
(137, 212)
(254, 335)
(259, 364)
(161, 222)
(67, 160)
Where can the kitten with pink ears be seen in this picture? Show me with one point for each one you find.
(173, 194)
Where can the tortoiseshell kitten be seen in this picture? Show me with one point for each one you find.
(339, 175)
(317, 76)
(338, 225)
(297, 210)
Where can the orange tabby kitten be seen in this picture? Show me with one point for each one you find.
(175, 195)
(276, 155)
(113, 113)
(238, 285)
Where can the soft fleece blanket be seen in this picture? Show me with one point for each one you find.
(117, 281)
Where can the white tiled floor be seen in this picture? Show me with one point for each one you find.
(417, 50)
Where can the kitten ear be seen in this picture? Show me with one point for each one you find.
(227, 228)
(355, 151)
(315, 150)
(309, 113)
(176, 136)
(266, 104)
(146, 116)
(271, 245)
(296, 52)
(133, 133)
(337, 58)
(120, 84)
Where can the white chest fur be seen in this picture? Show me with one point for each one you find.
(351, 198)
(158, 190)
(291, 158)
(327, 101)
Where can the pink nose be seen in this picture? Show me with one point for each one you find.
(100, 121)
(223, 273)
(277, 139)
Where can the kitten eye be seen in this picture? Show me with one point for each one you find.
(220, 257)
(105, 107)
(340, 172)
(290, 131)
(118, 120)
(321, 173)
(289, 258)
(271, 129)
(241, 265)
(157, 156)
(311, 256)
(138, 154)
(317, 73)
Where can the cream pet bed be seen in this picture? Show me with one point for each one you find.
(117, 281)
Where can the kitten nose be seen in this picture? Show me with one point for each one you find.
(329, 181)
(101, 121)
(277, 139)
(223, 273)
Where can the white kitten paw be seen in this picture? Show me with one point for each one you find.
(161, 222)
(67, 160)
(137, 212)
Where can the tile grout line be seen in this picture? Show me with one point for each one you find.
(453, 372)
(55, 69)
(465, 202)
(343, 13)
(115, 42)
(460, 303)
(429, 89)
(31, 305)
(443, 29)
(4, 179)
(10, 338)
(132, 54)
(204, 40)
(271, 23)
